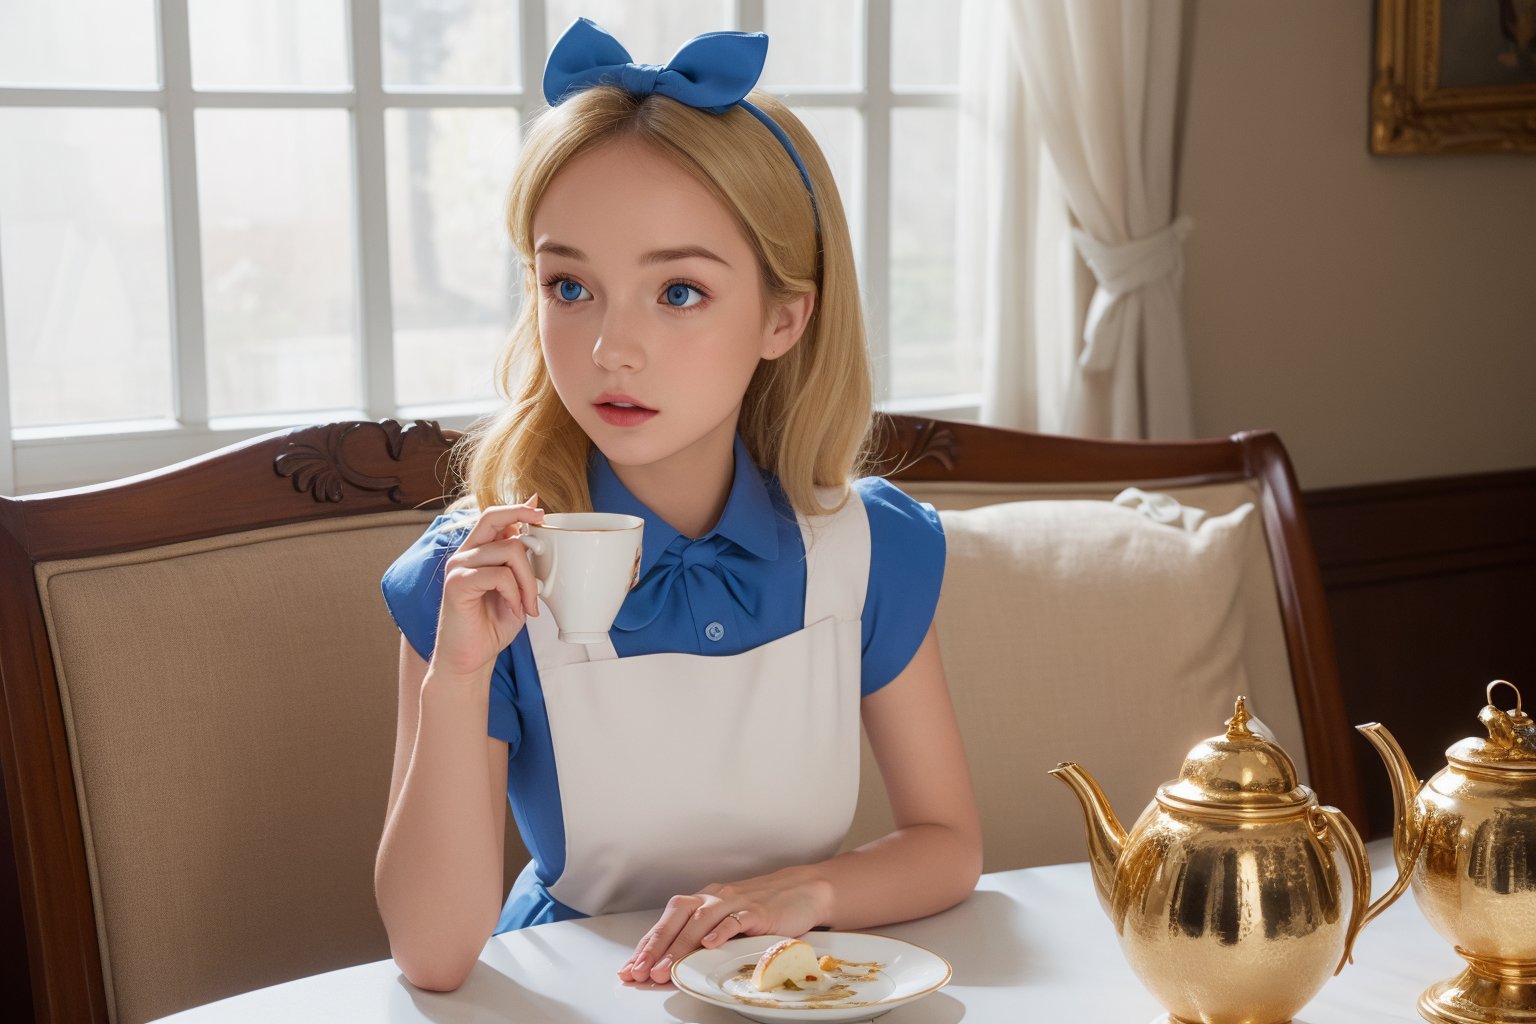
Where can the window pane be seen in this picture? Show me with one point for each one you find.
(269, 44)
(926, 356)
(450, 43)
(451, 263)
(279, 284)
(925, 43)
(78, 42)
(812, 43)
(839, 132)
(82, 247)
(651, 32)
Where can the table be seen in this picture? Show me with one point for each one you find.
(1029, 945)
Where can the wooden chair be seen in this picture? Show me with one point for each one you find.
(197, 692)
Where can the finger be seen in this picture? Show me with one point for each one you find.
(701, 922)
(513, 596)
(526, 581)
(518, 529)
(511, 554)
(492, 552)
(652, 953)
(729, 926)
(652, 949)
(498, 518)
(472, 584)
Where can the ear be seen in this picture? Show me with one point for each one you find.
(786, 324)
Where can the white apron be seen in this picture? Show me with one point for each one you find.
(677, 770)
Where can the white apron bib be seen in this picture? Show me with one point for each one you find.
(677, 770)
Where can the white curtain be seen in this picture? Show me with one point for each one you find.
(1075, 111)
(1014, 244)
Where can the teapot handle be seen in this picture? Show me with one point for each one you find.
(1323, 818)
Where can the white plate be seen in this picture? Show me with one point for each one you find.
(907, 973)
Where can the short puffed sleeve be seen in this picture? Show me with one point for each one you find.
(906, 570)
(413, 592)
(413, 585)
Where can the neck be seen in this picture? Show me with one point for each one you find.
(687, 491)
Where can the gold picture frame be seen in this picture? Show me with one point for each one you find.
(1454, 76)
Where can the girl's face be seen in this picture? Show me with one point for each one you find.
(651, 311)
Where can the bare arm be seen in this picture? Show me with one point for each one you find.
(439, 869)
(933, 858)
(438, 876)
(928, 863)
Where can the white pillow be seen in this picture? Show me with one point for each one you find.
(1089, 631)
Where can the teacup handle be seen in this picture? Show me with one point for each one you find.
(543, 586)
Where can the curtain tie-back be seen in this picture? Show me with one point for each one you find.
(1120, 270)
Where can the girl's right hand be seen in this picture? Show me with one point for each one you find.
(489, 590)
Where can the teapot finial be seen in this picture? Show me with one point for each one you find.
(1511, 734)
(1237, 727)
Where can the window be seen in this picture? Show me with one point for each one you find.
(222, 217)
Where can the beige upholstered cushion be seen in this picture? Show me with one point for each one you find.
(1077, 629)
(230, 705)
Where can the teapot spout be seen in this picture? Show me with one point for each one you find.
(1407, 818)
(1106, 837)
(1405, 792)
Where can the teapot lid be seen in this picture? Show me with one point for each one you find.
(1511, 742)
(1243, 769)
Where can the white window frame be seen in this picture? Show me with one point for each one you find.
(46, 458)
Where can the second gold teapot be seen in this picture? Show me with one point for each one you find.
(1236, 894)
(1467, 841)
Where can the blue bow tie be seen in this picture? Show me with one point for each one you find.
(712, 72)
(713, 556)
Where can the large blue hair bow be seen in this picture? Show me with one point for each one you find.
(712, 72)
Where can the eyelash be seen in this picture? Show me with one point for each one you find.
(704, 296)
(551, 287)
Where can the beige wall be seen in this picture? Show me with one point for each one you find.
(1378, 312)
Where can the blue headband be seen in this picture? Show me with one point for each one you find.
(712, 72)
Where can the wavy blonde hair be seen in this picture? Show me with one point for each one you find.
(806, 416)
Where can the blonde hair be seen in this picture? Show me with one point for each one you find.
(806, 415)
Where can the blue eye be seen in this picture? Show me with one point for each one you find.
(571, 291)
(681, 296)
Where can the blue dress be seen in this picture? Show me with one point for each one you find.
(739, 586)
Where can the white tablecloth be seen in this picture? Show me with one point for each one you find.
(1030, 945)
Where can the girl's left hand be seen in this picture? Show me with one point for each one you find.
(788, 902)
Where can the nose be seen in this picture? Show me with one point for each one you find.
(619, 346)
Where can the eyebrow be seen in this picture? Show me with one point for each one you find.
(556, 249)
(685, 252)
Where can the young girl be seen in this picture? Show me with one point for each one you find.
(690, 350)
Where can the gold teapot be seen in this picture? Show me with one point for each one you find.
(1467, 839)
(1236, 894)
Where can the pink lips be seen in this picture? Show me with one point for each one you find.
(620, 410)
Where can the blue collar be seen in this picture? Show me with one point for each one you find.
(749, 519)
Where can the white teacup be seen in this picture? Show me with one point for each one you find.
(585, 563)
